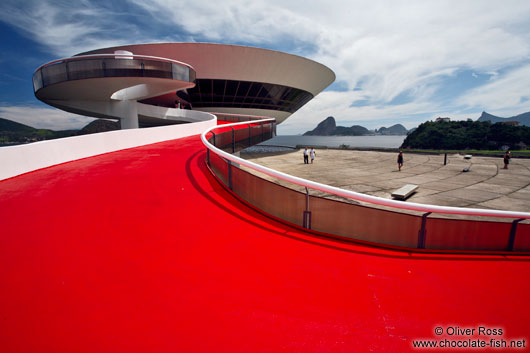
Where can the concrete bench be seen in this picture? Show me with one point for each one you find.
(405, 191)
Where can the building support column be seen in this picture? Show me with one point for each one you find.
(129, 118)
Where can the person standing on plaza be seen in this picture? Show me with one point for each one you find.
(400, 160)
(306, 156)
(506, 159)
(312, 154)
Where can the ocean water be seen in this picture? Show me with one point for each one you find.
(378, 141)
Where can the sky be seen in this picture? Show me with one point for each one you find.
(395, 61)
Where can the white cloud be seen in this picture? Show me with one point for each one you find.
(406, 46)
(67, 28)
(44, 118)
(389, 46)
(506, 94)
(383, 49)
(337, 104)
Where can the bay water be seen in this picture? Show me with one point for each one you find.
(375, 141)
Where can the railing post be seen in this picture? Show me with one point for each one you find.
(213, 133)
(422, 233)
(229, 174)
(262, 133)
(249, 135)
(233, 140)
(513, 231)
(306, 221)
(208, 157)
(445, 158)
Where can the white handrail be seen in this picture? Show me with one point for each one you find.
(351, 194)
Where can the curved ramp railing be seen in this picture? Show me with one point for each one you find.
(420, 229)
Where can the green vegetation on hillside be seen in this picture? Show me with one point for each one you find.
(355, 130)
(12, 132)
(9, 125)
(465, 135)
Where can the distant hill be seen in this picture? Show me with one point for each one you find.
(325, 128)
(355, 130)
(328, 127)
(100, 125)
(523, 119)
(12, 132)
(397, 129)
(9, 125)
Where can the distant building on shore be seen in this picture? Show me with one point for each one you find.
(443, 119)
(511, 123)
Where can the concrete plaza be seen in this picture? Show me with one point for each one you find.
(486, 185)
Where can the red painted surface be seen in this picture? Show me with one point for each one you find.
(143, 251)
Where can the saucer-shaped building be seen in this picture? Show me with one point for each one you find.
(160, 78)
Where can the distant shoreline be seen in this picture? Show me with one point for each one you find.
(265, 147)
(366, 141)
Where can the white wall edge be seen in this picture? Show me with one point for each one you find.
(20, 159)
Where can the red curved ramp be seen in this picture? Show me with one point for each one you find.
(142, 250)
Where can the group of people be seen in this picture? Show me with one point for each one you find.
(312, 153)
